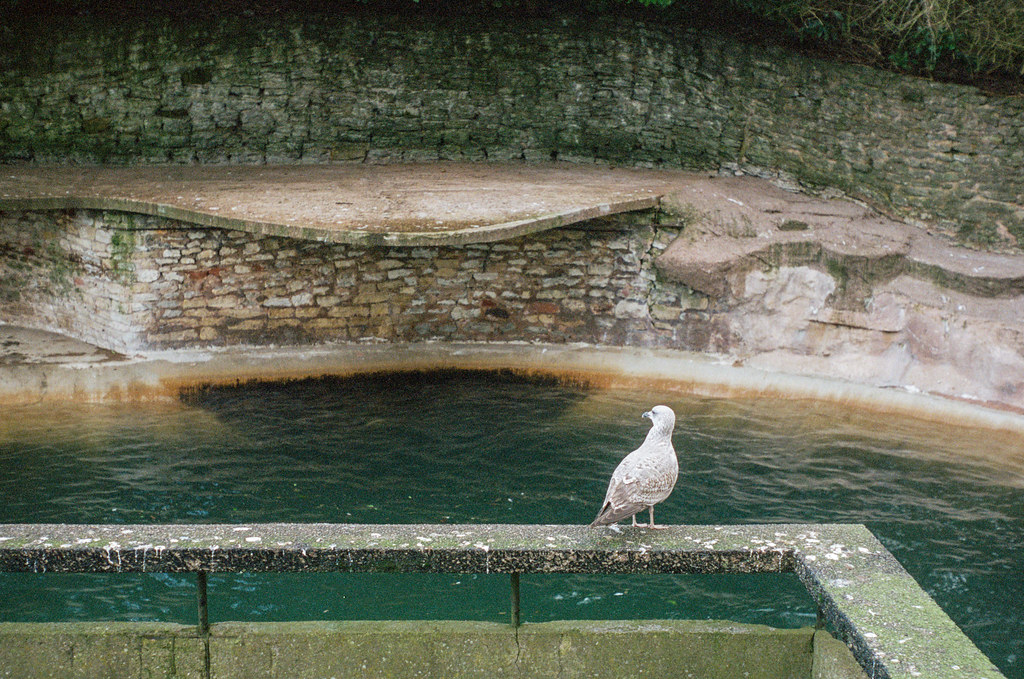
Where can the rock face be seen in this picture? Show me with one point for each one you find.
(812, 286)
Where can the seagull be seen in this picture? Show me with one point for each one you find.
(646, 476)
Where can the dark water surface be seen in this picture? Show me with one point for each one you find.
(948, 501)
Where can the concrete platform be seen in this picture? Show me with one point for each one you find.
(397, 204)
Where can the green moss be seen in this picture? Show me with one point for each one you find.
(387, 648)
(48, 258)
(95, 125)
(683, 214)
(793, 225)
(11, 286)
(196, 76)
(122, 250)
(62, 269)
(978, 232)
(172, 113)
(838, 271)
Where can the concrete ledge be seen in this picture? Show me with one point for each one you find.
(297, 650)
(394, 205)
(893, 628)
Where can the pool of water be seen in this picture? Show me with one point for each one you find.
(462, 447)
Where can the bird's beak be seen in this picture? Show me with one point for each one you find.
(649, 415)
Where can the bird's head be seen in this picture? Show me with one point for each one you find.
(662, 417)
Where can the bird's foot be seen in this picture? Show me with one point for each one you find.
(653, 526)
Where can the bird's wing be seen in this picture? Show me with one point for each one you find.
(629, 480)
(639, 470)
(642, 477)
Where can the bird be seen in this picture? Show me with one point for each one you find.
(646, 476)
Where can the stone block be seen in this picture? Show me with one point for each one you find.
(833, 660)
(223, 302)
(250, 324)
(370, 297)
(543, 308)
(327, 323)
(287, 312)
(348, 311)
(661, 312)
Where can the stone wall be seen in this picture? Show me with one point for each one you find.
(314, 90)
(61, 272)
(128, 282)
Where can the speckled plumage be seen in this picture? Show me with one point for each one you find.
(646, 476)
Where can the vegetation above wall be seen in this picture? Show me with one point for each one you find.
(931, 36)
(975, 41)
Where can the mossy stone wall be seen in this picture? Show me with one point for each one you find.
(614, 649)
(307, 89)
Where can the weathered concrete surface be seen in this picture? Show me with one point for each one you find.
(299, 650)
(25, 346)
(101, 650)
(395, 204)
(614, 649)
(893, 628)
(832, 659)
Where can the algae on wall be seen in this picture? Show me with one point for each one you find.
(36, 261)
(619, 649)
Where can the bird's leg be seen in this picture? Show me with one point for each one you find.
(652, 524)
(635, 524)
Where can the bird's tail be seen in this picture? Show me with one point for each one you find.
(609, 514)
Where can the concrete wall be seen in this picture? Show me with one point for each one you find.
(355, 88)
(613, 649)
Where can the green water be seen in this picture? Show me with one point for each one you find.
(473, 448)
